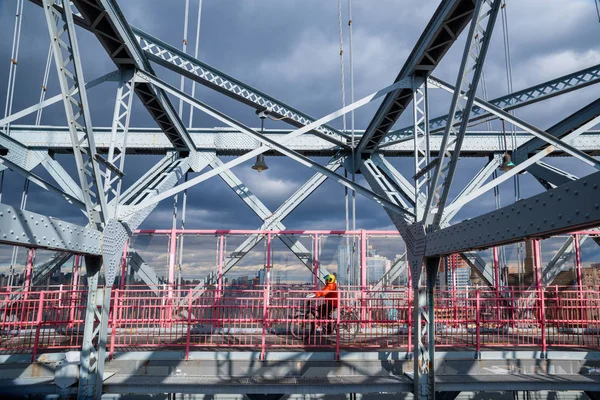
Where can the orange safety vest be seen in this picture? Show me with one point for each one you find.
(330, 292)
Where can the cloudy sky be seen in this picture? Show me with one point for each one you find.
(290, 49)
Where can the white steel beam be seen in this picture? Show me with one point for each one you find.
(520, 167)
(548, 138)
(270, 143)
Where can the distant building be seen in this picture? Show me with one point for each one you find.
(377, 266)
(261, 277)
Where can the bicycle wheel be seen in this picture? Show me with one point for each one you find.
(349, 325)
(302, 325)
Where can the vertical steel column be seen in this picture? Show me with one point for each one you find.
(420, 354)
(537, 265)
(433, 265)
(421, 139)
(94, 333)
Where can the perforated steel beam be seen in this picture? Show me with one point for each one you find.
(184, 64)
(521, 98)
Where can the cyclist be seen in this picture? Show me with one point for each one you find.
(330, 294)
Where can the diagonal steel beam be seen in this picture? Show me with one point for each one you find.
(273, 221)
(70, 76)
(277, 145)
(521, 98)
(547, 137)
(448, 21)
(184, 64)
(559, 130)
(478, 180)
(389, 174)
(111, 76)
(521, 167)
(470, 70)
(550, 176)
(42, 183)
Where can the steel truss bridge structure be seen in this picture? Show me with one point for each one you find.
(107, 337)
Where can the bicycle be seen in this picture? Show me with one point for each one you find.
(304, 323)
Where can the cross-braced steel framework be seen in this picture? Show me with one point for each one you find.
(420, 207)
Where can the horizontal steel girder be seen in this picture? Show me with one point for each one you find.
(574, 205)
(28, 229)
(226, 142)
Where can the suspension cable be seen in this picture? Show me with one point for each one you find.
(352, 127)
(510, 89)
(14, 56)
(196, 46)
(184, 49)
(38, 117)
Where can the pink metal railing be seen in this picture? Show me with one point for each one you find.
(281, 318)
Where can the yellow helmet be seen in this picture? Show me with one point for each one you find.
(330, 278)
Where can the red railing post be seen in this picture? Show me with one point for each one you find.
(189, 325)
(453, 259)
(266, 298)
(477, 322)
(115, 312)
(363, 276)
(579, 275)
(27, 287)
(409, 313)
(172, 256)
(537, 261)
(38, 326)
(337, 327)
